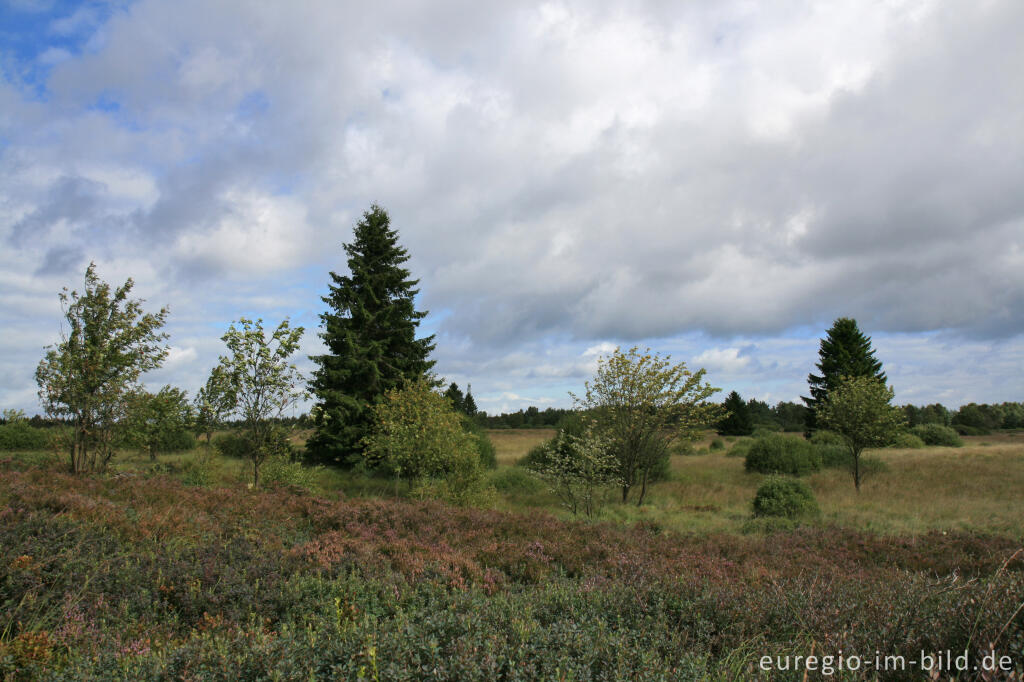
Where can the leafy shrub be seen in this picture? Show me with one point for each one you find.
(19, 435)
(484, 446)
(826, 437)
(535, 458)
(514, 480)
(786, 497)
(199, 469)
(776, 454)
(908, 441)
(764, 430)
(968, 430)
(177, 441)
(936, 434)
(233, 445)
(283, 470)
(716, 444)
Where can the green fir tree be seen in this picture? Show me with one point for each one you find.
(370, 333)
(844, 352)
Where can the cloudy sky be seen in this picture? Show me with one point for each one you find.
(718, 180)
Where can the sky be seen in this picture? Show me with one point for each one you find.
(717, 180)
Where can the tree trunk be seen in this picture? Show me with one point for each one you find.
(643, 490)
(856, 471)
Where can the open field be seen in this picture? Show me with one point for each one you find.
(133, 575)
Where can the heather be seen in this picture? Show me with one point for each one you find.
(140, 577)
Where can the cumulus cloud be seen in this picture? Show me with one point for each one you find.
(565, 175)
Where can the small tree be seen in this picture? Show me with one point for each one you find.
(418, 435)
(87, 377)
(859, 410)
(738, 421)
(641, 403)
(469, 404)
(214, 401)
(154, 419)
(844, 352)
(578, 469)
(263, 381)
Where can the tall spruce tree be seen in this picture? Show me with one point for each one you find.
(370, 333)
(844, 352)
(738, 421)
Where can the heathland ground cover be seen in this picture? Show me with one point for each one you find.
(134, 575)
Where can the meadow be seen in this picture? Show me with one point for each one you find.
(135, 575)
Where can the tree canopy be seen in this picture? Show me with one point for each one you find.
(88, 377)
(370, 334)
(844, 352)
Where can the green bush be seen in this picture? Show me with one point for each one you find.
(834, 456)
(283, 470)
(484, 446)
(908, 441)
(514, 480)
(936, 434)
(199, 469)
(785, 497)
(177, 441)
(19, 435)
(716, 444)
(764, 430)
(967, 430)
(777, 454)
(826, 437)
(233, 445)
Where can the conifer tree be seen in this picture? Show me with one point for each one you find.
(370, 333)
(469, 404)
(738, 422)
(844, 352)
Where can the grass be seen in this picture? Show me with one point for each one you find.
(511, 445)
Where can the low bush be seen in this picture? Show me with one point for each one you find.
(908, 441)
(826, 437)
(776, 454)
(516, 481)
(233, 445)
(19, 435)
(177, 441)
(284, 470)
(716, 444)
(786, 497)
(936, 434)
(199, 470)
(966, 430)
(484, 446)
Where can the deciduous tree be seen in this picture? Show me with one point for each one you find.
(641, 402)
(859, 409)
(108, 344)
(154, 419)
(214, 401)
(263, 380)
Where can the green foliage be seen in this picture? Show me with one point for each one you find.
(159, 422)
(777, 454)
(716, 444)
(738, 420)
(215, 400)
(936, 434)
(234, 445)
(859, 410)
(786, 497)
(826, 437)
(284, 470)
(515, 481)
(578, 469)
(484, 447)
(18, 435)
(200, 469)
(107, 345)
(419, 437)
(844, 352)
(741, 447)
(370, 334)
(908, 441)
(262, 380)
(641, 402)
